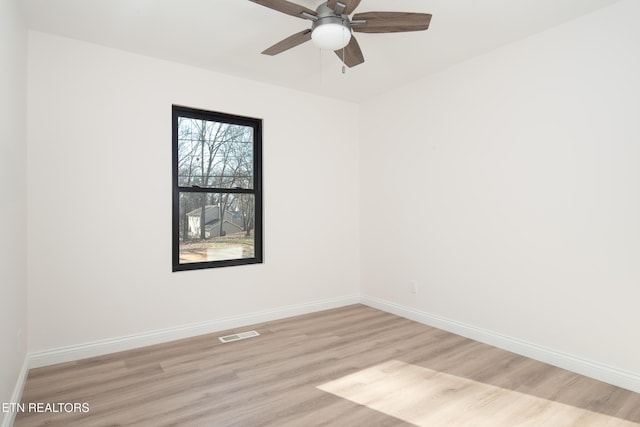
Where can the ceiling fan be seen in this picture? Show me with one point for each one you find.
(331, 28)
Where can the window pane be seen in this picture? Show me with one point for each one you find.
(214, 155)
(206, 235)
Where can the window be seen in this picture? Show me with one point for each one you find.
(217, 189)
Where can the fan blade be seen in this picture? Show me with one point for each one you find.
(288, 43)
(352, 55)
(391, 22)
(350, 5)
(287, 7)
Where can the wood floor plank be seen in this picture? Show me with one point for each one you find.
(275, 380)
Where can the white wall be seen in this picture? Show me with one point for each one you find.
(13, 205)
(99, 196)
(509, 188)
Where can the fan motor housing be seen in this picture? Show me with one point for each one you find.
(328, 16)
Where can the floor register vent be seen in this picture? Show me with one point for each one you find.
(238, 336)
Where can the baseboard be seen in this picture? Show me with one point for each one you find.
(589, 368)
(98, 348)
(16, 396)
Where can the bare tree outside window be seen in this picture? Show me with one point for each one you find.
(217, 194)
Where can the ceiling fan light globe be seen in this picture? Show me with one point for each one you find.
(331, 36)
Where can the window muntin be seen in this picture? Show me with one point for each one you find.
(217, 194)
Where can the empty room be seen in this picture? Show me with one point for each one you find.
(306, 213)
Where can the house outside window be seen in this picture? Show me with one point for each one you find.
(217, 189)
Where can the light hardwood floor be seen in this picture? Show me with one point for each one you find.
(352, 366)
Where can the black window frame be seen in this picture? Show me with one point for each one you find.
(187, 112)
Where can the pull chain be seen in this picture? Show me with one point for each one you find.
(344, 69)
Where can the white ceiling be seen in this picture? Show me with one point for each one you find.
(228, 35)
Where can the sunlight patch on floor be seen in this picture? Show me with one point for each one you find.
(425, 397)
